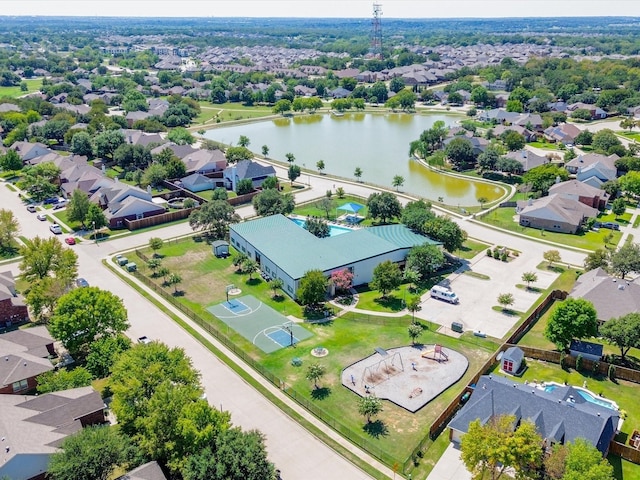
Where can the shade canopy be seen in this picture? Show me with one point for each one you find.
(351, 207)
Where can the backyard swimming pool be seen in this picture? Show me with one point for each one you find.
(588, 396)
(333, 229)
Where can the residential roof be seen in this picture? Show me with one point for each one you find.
(611, 297)
(575, 187)
(528, 159)
(297, 251)
(587, 159)
(586, 347)
(24, 354)
(513, 353)
(148, 471)
(250, 169)
(557, 208)
(560, 415)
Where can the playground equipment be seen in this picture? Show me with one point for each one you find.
(383, 369)
(436, 353)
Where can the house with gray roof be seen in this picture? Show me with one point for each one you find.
(564, 133)
(244, 169)
(148, 471)
(121, 202)
(582, 192)
(554, 213)
(611, 297)
(287, 251)
(204, 161)
(527, 159)
(197, 182)
(34, 427)
(560, 413)
(588, 159)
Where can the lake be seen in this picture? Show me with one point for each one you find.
(377, 143)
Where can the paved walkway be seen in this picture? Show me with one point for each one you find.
(450, 466)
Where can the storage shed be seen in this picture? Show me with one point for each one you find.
(512, 360)
(220, 248)
(588, 350)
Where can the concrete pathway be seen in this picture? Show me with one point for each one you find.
(450, 466)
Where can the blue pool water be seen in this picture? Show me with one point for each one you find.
(333, 229)
(585, 395)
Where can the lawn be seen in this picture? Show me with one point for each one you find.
(544, 145)
(629, 135)
(503, 218)
(33, 85)
(311, 209)
(226, 112)
(471, 248)
(347, 338)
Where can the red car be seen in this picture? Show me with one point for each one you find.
(70, 241)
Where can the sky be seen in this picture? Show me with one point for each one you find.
(319, 8)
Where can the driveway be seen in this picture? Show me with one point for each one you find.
(450, 466)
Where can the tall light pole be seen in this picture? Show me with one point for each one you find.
(95, 237)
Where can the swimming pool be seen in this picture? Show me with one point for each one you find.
(587, 396)
(333, 229)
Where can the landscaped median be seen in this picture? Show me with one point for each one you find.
(395, 433)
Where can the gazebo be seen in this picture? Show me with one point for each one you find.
(351, 215)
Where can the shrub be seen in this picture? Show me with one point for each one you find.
(504, 256)
(563, 357)
(489, 252)
(612, 372)
(496, 254)
(596, 367)
(579, 363)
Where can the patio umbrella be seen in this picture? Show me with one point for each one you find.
(351, 207)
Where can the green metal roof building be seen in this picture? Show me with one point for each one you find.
(285, 250)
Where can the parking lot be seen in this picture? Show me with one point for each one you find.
(478, 296)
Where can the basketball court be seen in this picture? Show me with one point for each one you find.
(259, 323)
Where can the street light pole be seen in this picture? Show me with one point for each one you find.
(95, 237)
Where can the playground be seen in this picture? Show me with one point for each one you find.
(259, 323)
(409, 376)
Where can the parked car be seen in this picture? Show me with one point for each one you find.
(70, 241)
(443, 293)
(31, 208)
(55, 228)
(60, 205)
(41, 216)
(50, 200)
(144, 339)
(611, 225)
(81, 282)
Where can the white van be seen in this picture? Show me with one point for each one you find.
(445, 294)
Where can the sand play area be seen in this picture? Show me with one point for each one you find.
(409, 376)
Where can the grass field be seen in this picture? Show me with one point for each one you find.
(348, 339)
(630, 135)
(226, 112)
(33, 85)
(503, 218)
(312, 210)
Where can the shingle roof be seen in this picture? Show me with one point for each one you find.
(562, 412)
(148, 471)
(611, 297)
(557, 208)
(586, 347)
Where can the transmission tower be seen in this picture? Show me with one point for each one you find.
(376, 31)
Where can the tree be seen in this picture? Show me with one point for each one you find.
(315, 372)
(626, 259)
(342, 280)
(369, 407)
(236, 154)
(459, 151)
(544, 176)
(155, 244)
(93, 453)
(425, 259)
(320, 166)
(317, 227)
(414, 330)
(396, 84)
(235, 455)
(327, 205)
(513, 140)
(313, 288)
(265, 151)
(250, 266)
(585, 137)
(48, 257)
(272, 202)
(40, 180)
(624, 332)
(482, 201)
(290, 157)
(9, 227)
(282, 106)
(103, 354)
(415, 214)
(529, 278)
(173, 281)
(78, 207)
(414, 305)
(445, 230)
(552, 256)
(214, 218)
(596, 259)
(572, 318)
(618, 207)
(398, 181)
(605, 140)
(63, 379)
(42, 295)
(386, 277)
(244, 186)
(84, 314)
(412, 276)
(357, 173)
(293, 172)
(506, 300)
(244, 141)
(384, 206)
(95, 217)
(106, 143)
(489, 450)
(154, 175)
(275, 285)
(11, 161)
(378, 91)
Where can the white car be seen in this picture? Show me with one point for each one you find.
(55, 228)
(41, 216)
(144, 339)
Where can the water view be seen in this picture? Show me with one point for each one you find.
(377, 143)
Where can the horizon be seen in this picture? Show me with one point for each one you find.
(328, 9)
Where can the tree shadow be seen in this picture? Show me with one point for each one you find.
(179, 293)
(253, 281)
(616, 463)
(391, 302)
(320, 393)
(376, 429)
(278, 298)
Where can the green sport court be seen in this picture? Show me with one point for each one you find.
(259, 323)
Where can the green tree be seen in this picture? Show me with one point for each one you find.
(40, 180)
(506, 300)
(290, 157)
(214, 218)
(327, 205)
(398, 181)
(357, 173)
(236, 154)
(513, 140)
(48, 257)
(489, 450)
(155, 244)
(282, 106)
(265, 151)
(624, 332)
(244, 186)
(369, 407)
(244, 141)
(626, 259)
(93, 453)
(315, 372)
(106, 143)
(154, 175)
(78, 207)
(618, 207)
(605, 140)
(544, 176)
(11, 161)
(414, 330)
(134, 101)
(585, 137)
(276, 285)
(313, 288)
(9, 227)
(482, 201)
(412, 276)
(272, 202)
(173, 281)
(293, 172)
(572, 318)
(459, 151)
(597, 259)
(270, 182)
(425, 259)
(104, 352)
(317, 227)
(84, 314)
(181, 136)
(95, 217)
(320, 166)
(415, 214)
(386, 277)
(630, 183)
(384, 206)
(529, 278)
(552, 256)
(583, 461)
(63, 379)
(445, 230)
(42, 296)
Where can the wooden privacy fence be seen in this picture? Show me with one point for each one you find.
(625, 451)
(158, 219)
